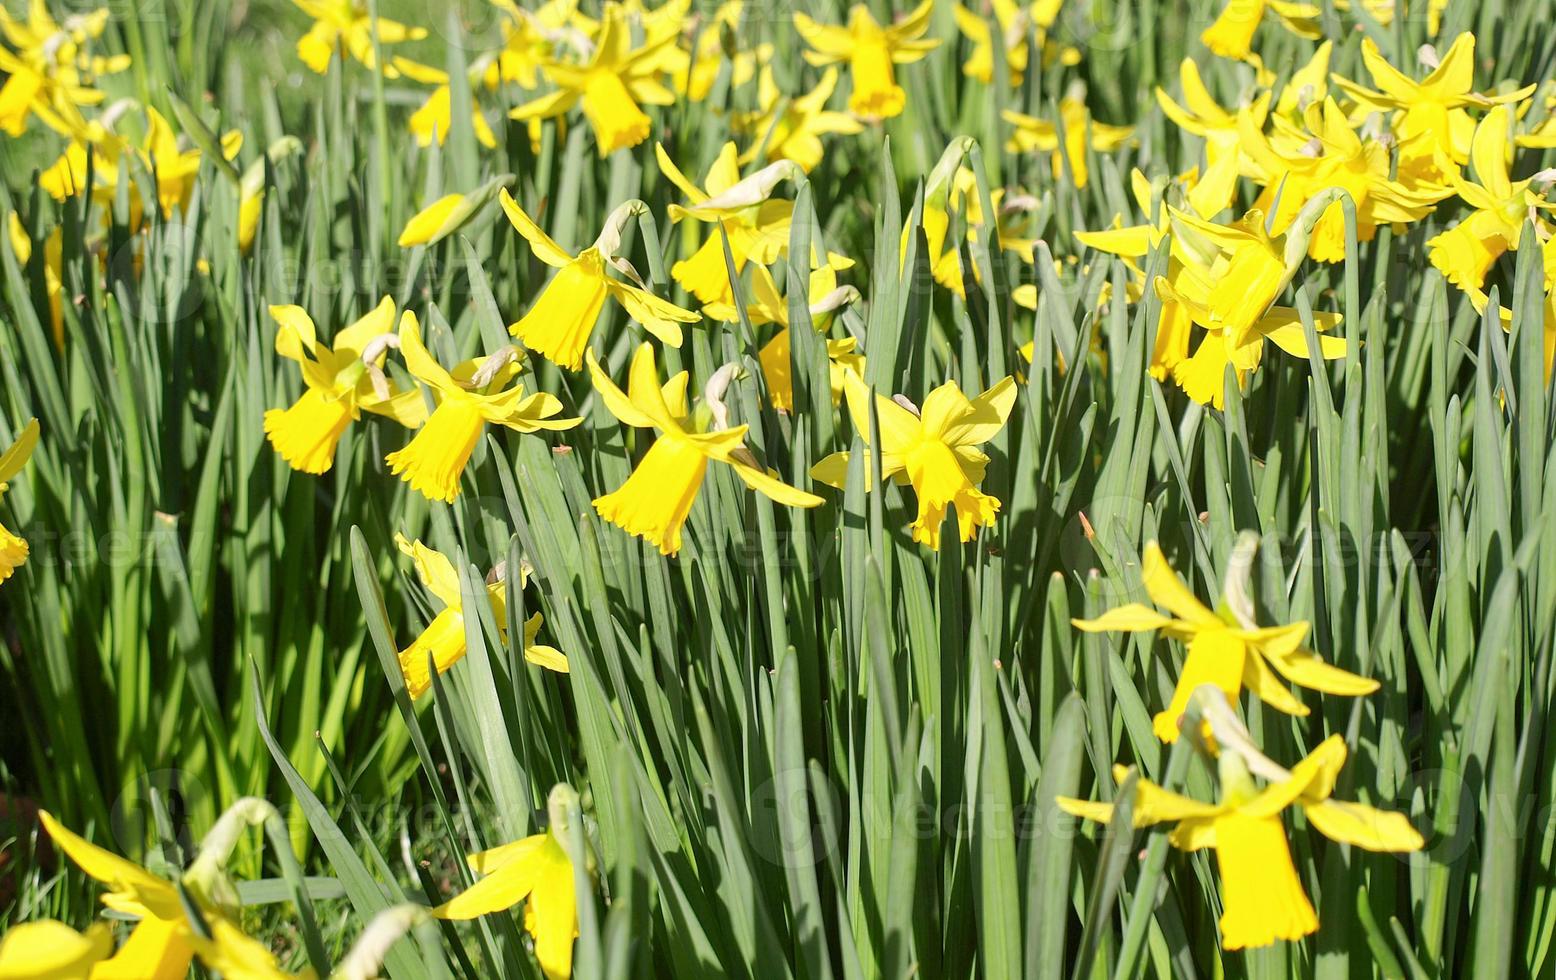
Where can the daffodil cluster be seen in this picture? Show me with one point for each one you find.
(1228, 650)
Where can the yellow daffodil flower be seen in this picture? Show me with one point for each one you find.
(1231, 35)
(444, 638)
(692, 73)
(1226, 279)
(657, 498)
(159, 153)
(872, 53)
(472, 396)
(49, 73)
(562, 319)
(1466, 252)
(1080, 130)
(1262, 898)
(432, 120)
(164, 942)
(935, 450)
(1481, 300)
(530, 39)
(768, 305)
(1202, 115)
(339, 384)
(610, 86)
(791, 128)
(537, 872)
(1226, 649)
(1334, 156)
(50, 950)
(13, 547)
(1432, 125)
(757, 226)
(347, 27)
(1013, 24)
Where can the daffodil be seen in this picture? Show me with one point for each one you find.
(610, 86)
(1333, 155)
(164, 941)
(537, 872)
(791, 128)
(1200, 114)
(935, 450)
(347, 26)
(1262, 897)
(1013, 22)
(757, 225)
(443, 641)
(50, 950)
(563, 318)
(1431, 121)
(825, 297)
(693, 72)
(49, 72)
(1225, 648)
(1226, 278)
(1466, 252)
(472, 396)
(530, 41)
(13, 548)
(657, 498)
(1030, 133)
(1481, 300)
(339, 384)
(431, 122)
(872, 53)
(1231, 35)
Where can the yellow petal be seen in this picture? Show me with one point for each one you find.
(1363, 826)
(558, 326)
(657, 498)
(1131, 618)
(1167, 590)
(544, 246)
(1215, 657)
(1262, 899)
(50, 950)
(434, 460)
(427, 224)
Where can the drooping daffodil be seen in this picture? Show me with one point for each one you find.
(873, 53)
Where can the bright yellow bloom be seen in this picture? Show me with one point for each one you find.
(432, 121)
(825, 297)
(1013, 24)
(1481, 300)
(163, 942)
(537, 872)
(935, 450)
(13, 548)
(530, 40)
(1432, 125)
(472, 396)
(448, 214)
(791, 128)
(1332, 155)
(1226, 278)
(1466, 252)
(443, 641)
(49, 72)
(872, 53)
(1231, 36)
(1262, 898)
(657, 498)
(347, 27)
(1227, 649)
(1080, 130)
(159, 153)
(610, 86)
(339, 384)
(1203, 116)
(693, 73)
(50, 950)
(562, 319)
(757, 226)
